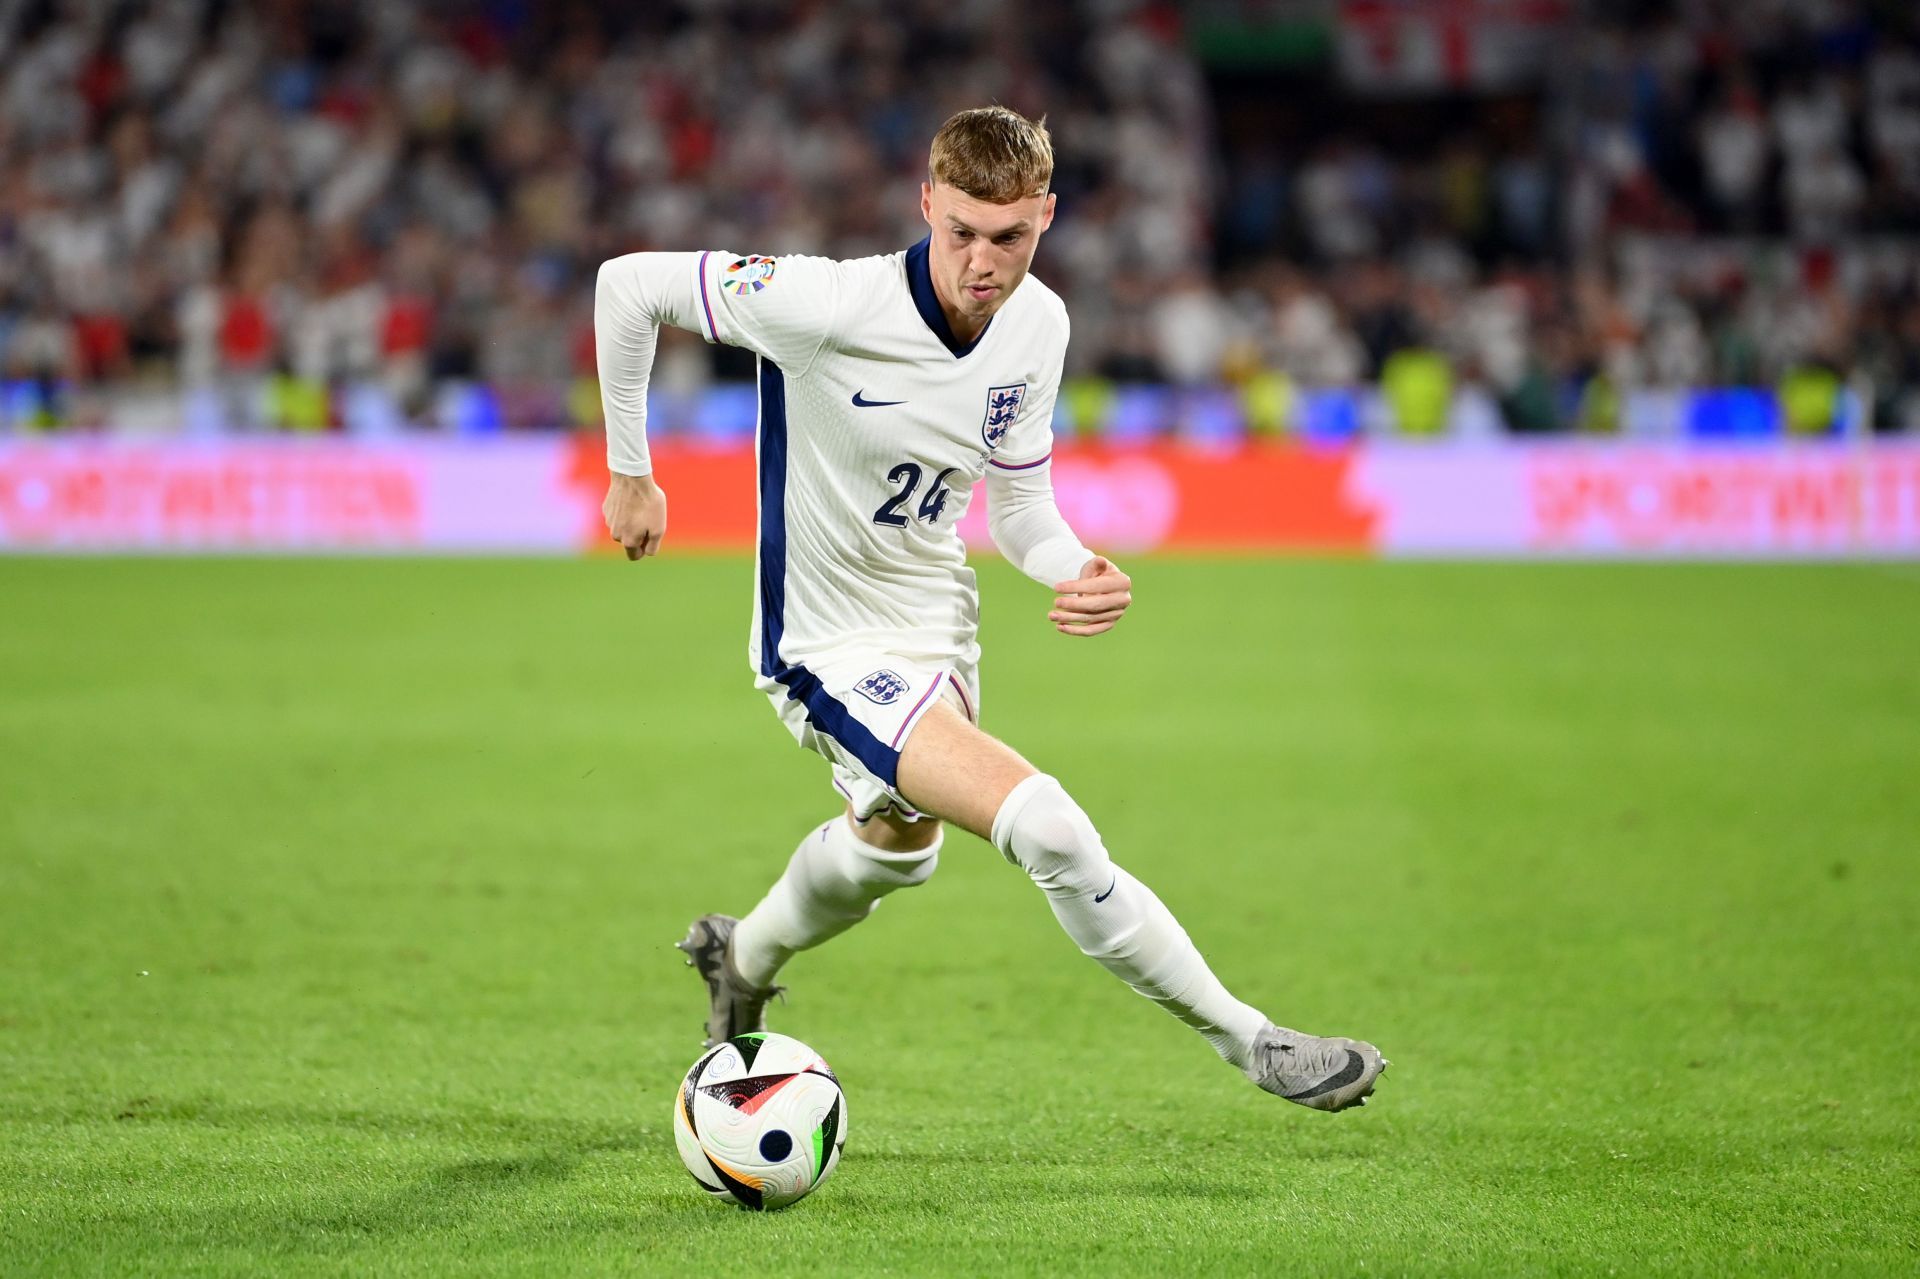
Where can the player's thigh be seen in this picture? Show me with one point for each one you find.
(951, 769)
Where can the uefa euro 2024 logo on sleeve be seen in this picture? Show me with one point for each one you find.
(881, 687)
(747, 276)
(1003, 406)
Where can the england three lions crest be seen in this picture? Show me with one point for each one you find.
(882, 687)
(1003, 406)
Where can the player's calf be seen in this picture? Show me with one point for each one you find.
(832, 882)
(1114, 918)
(1119, 922)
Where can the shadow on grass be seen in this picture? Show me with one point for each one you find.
(352, 1195)
(457, 1125)
(375, 1181)
(453, 1194)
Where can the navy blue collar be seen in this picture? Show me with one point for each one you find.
(927, 302)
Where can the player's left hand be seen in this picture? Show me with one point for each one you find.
(1092, 602)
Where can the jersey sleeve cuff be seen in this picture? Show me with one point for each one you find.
(1034, 464)
(709, 327)
(1057, 561)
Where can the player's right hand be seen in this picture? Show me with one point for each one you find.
(636, 511)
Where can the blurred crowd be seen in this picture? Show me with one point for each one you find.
(311, 214)
(394, 208)
(1710, 192)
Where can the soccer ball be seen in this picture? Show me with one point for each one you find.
(760, 1120)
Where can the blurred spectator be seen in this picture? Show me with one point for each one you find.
(1735, 149)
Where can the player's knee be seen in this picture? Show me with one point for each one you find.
(1040, 829)
(893, 833)
(888, 868)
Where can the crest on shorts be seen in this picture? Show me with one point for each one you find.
(1003, 405)
(881, 687)
(747, 276)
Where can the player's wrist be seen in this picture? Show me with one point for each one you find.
(636, 483)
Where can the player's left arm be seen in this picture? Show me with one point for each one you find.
(1090, 591)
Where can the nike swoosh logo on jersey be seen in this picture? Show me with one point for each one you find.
(1110, 887)
(860, 403)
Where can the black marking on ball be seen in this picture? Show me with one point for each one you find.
(719, 1191)
(829, 1130)
(775, 1145)
(749, 1046)
(692, 1082)
(748, 1196)
(738, 1092)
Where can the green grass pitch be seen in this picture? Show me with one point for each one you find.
(336, 902)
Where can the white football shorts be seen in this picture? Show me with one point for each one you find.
(857, 709)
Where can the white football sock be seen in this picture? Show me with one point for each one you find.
(1115, 918)
(832, 883)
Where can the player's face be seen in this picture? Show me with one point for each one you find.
(980, 251)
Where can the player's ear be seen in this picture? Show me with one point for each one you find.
(926, 202)
(1046, 212)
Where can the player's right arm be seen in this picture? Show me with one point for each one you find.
(779, 308)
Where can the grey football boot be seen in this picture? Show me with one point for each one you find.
(1326, 1074)
(735, 1007)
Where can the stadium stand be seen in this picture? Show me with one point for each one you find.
(371, 216)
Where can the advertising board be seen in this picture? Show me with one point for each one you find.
(541, 495)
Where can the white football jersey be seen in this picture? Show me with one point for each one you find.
(875, 424)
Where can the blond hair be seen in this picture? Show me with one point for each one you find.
(993, 154)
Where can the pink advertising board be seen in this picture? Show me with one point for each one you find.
(541, 495)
